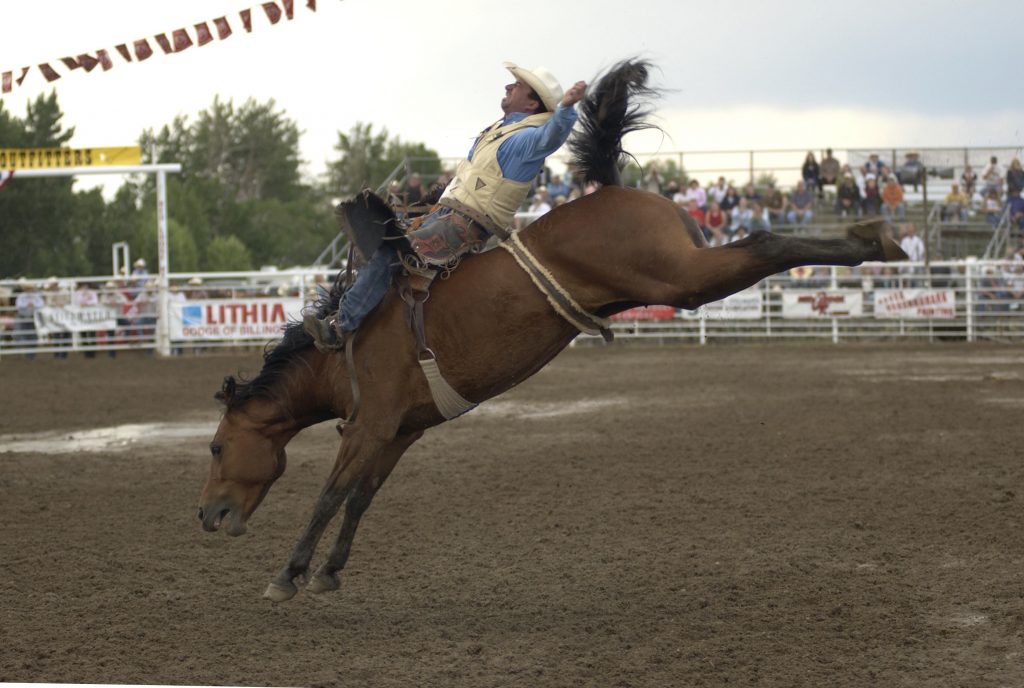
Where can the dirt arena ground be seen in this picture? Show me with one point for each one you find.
(772, 515)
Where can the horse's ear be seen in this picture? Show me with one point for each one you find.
(227, 390)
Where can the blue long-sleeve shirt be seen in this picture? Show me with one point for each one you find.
(521, 156)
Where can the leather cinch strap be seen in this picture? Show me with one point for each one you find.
(449, 402)
(557, 296)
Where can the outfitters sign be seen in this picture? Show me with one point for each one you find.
(232, 319)
(54, 158)
(915, 304)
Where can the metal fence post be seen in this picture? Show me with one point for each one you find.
(163, 337)
(969, 296)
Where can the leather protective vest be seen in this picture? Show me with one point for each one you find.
(479, 184)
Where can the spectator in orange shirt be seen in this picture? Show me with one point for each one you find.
(892, 200)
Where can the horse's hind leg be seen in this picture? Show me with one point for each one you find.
(715, 273)
(326, 577)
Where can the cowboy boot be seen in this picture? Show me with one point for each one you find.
(327, 335)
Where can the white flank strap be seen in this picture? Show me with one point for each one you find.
(447, 400)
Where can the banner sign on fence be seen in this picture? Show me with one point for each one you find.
(745, 305)
(829, 303)
(646, 313)
(232, 318)
(49, 158)
(54, 319)
(915, 304)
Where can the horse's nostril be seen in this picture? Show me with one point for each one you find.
(200, 514)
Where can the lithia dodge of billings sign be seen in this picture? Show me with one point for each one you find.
(232, 319)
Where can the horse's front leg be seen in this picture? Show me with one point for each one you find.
(354, 452)
(359, 498)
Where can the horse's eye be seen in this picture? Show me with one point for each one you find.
(215, 449)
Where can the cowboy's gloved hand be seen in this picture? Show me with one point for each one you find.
(574, 94)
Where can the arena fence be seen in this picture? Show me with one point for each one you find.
(967, 300)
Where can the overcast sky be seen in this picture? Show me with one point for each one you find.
(740, 74)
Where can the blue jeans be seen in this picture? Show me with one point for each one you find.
(372, 283)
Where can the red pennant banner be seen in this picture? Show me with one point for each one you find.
(104, 59)
(164, 43)
(181, 40)
(48, 72)
(311, 4)
(203, 35)
(87, 61)
(273, 12)
(289, 8)
(223, 28)
(6, 82)
(142, 50)
(70, 62)
(5, 175)
(246, 16)
(24, 73)
(123, 49)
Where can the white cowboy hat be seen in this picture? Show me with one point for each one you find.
(540, 80)
(140, 263)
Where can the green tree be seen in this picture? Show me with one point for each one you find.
(365, 159)
(228, 253)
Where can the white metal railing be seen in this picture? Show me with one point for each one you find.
(986, 303)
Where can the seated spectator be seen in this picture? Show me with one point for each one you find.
(873, 166)
(557, 187)
(1015, 207)
(414, 191)
(539, 205)
(829, 171)
(718, 190)
(956, 205)
(1015, 177)
(559, 200)
(893, 207)
(731, 200)
(993, 208)
(750, 193)
(992, 177)
(775, 204)
(912, 246)
(741, 215)
(694, 192)
(811, 172)
(969, 181)
(679, 197)
(801, 205)
(696, 213)
(740, 233)
(716, 221)
(872, 201)
(912, 172)
(885, 175)
(760, 221)
(848, 198)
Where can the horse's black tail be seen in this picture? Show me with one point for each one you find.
(614, 106)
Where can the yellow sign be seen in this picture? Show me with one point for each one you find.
(52, 158)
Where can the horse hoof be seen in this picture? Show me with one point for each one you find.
(277, 592)
(323, 582)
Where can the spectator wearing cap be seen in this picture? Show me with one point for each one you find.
(56, 297)
(140, 275)
(872, 166)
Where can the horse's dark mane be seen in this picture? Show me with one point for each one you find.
(614, 106)
(277, 355)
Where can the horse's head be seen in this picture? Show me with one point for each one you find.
(247, 457)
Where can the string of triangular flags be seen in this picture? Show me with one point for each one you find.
(141, 50)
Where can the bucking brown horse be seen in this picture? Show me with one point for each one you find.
(489, 327)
